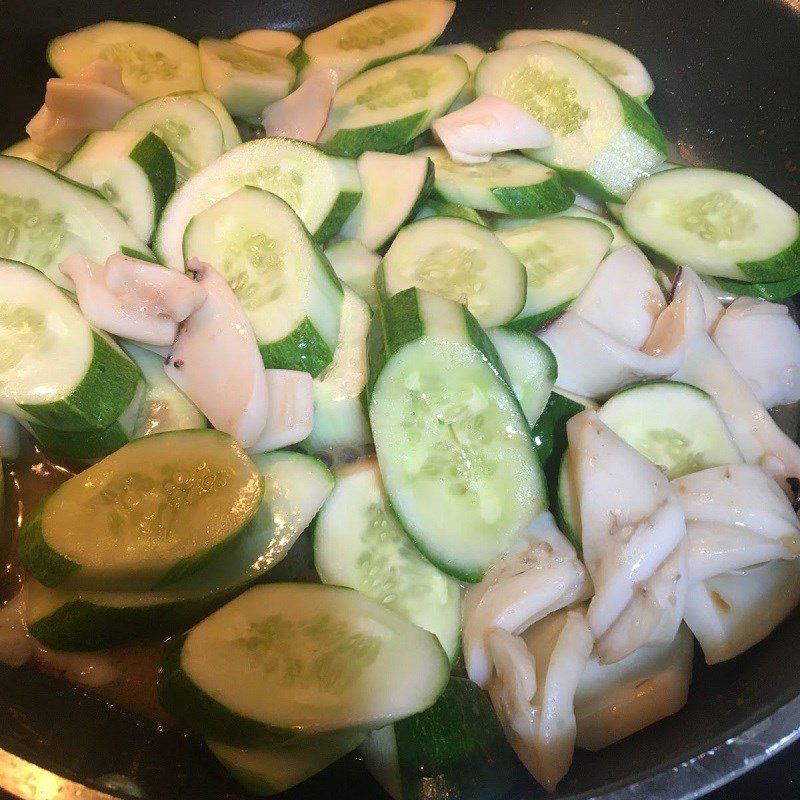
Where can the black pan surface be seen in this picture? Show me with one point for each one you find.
(727, 75)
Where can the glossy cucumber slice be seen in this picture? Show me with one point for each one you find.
(30, 151)
(453, 445)
(358, 543)
(276, 43)
(774, 291)
(472, 55)
(287, 659)
(284, 283)
(356, 266)
(154, 61)
(441, 208)
(567, 505)
(230, 133)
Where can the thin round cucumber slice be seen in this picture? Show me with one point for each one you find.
(154, 62)
(145, 516)
(440, 208)
(458, 260)
(359, 543)
(387, 107)
(44, 218)
(285, 285)
(188, 127)
(472, 55)
(135, 172)
(619, 65)
(531, 367)
(356, 266)
(30, 151)
(230, 133)
(321, 190)
(54, 368)
(453, 445)
(675, 425)
(276, 43)
(604, 141)
(288, 659)
(244, 80)
(376, 35)
(508, 184)
(560, 255)
(719, 223)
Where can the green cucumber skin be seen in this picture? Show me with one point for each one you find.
(386, 138)
(99, 399)
(303, 350)
(130, 251)
(35, 554)
(549, 197)
(537, 321)
(81, 445)
(775, 291)
(342, 208)
(152, 149)
(780, 267)
(442, 207)
(550, 432)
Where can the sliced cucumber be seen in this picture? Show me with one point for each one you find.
(154, 511)
(276, 43)
(284, 283)
(135, 172)
(387, 107)
(441, 208)
(356, 266)
(619, 65)
(288, 659)
(457, 746)
(358, 543)
(458, 260)
(321, 190)
(243, 79)
(30, 151)
(508, 184)
(44, 218)
(719, 223)
(560, 255)
(187, 126)
(452, 442)
(154, 62)
(774, 291)
(675, 425)
(230, 133)
(604, 141)
(530, 365)
(567, 505)
(376, 35)
(393, 188)
(54, 368)
(472, 55)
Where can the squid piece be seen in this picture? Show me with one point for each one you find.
(730, 613)
(290, 411)
(711, 304)
(522, 588)
(736, 517)
(303, 114)
(134, 299)
(762, 341)
(634, 540)
(489, 125)
(16, 645)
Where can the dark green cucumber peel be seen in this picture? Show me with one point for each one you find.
(151, 149)
(537, 321)
(342, 208)
(548, 197)
(774, 291)
(35, 554)
(81, 445)
(383, 138)
(303, 350)
(441, 207)
(781, 267)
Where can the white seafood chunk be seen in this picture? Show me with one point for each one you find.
(711, 304)
(303, 114)
(290, 411)
(16, 646)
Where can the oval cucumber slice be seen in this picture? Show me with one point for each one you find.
(472, 56)
(458, 260)
(453, 445)
(288, 659)
(359, 543)
(719, 223)
(230, 133)
(276, 43)
(508, 184)
(285, 285)
(154, 61)
(356, 266)
(387, 107)
(147, 515)
(30, 151)
(440, 208)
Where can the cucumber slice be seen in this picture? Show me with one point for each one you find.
(376, 35)
(187, 126)
(340, 419)
(322, 191)
(269, 770)
(30, 151)
(147, 515)
(619, 65)
(154, 62)
(276, 43)
(295, 486)
(458, 260)
(604, 141)
(530, 365)
(472, 55)
(284, 283)
(774, 291)
(358, 543)
(135, 172)
(440, 208)
(508, 184)
(230, 133)
(567, 504)
(44, 218)
(452, 442)
(387, 107)
(393, 188)
(288, 659)
(54, 368)
(356, 266)
(675, 425)
(457, 746)
(719, 223)
(560, 256)
(245, 80)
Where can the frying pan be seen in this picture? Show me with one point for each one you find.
(727, 95)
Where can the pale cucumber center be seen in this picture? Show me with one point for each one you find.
(715, 217)
(323, 651)
(609, 68)
(177, 136)
(285, 181)
(457, 273)
(541, 261)
(28, 233)
(401, 88)
(670, 448)
(139, 62)
(22, 332)
(243, 61)
(377, 30)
